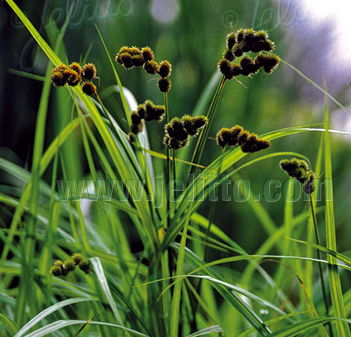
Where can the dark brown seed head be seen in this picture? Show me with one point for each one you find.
(165, 69)
(77, 258)
(138, 60)
(147, 54)
(237, 50)
(76, 67)
(135, 117)
(240, 35)
(134, 51)
(69, 265)
(222, 137)
(225, 68)
(141, 111)
(126, 60)
(164, 84)
(234, 133)
(72, 77)
(176, 128)
(89, 88)
(243, 135)
(85, 266)
(58, 79)
(235, 70)
(228, 55)
(136, 128)
(89, 71)
(231, 40)
(151, 67)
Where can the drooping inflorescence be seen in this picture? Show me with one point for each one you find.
(130, 57)
(64, 268)
(298, 169)
(73, 75)
(179, 130)
(249, 142)
(235, 61)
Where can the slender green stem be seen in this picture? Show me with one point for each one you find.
(319, 264)
(204, 133)
(208, 231)
(211, 213)
(167, 164)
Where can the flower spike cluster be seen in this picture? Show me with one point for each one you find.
(64, 268)
(130, 57)
(249, 142)
(235, 62)
(148, 112)
(298, 169)
(179, 130)
(73, 75)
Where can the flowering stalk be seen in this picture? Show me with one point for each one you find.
(325, 298)
(234, 63)
(203, 136)
(298, 169)
(167, 165)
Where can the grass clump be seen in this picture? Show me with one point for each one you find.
(148, 271)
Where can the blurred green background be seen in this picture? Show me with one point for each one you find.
(191, 35)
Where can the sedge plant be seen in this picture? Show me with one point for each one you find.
(100, 283)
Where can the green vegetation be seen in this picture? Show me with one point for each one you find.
(116, 231)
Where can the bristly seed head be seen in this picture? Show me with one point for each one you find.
(141, 111)
(58, 75)
(77, 258)
(164, 84)
(126, 60)
(64, 268)
(136, 128)
(58, 79)
(151, 67)
(243, 136)
(84, 265)
(175, 129)
(69, 265)
(225, 68)
(222, 137)
(72, 77)
(173, 143)
(89, 71)
(136, 119)
(228, 55)
(147, 53)
(76, 67)
(164, 69)
(89, 88)
(138, 60)
(247, 40)
(231, 40)
(249, 142)
(237, 51)
(298, 169)
(269, 62)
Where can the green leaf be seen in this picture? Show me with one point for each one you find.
(303, 327)
(47, 312)
(9, 325)
(52, 327)
(334, 278)
(105, 288)
(206, 331)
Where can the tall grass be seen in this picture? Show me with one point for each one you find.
(168, 285)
